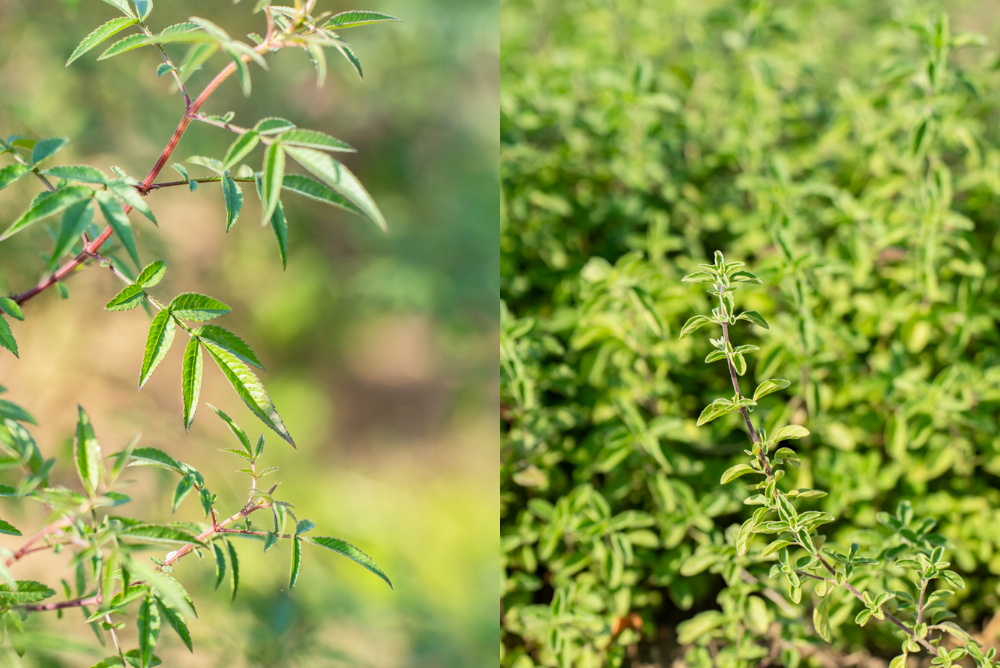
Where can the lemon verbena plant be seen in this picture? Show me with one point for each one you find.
(906, 583)
(112, 576)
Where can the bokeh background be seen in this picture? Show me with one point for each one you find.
(380, 349)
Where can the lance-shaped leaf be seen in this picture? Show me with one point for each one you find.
(272, 174)
(270, 540)
(152, 274)
(195, 58)
(191, 380)
(220, 564)
(75, 220)
(87, 453)
(234, 344)
(754, 317)
(12, 173)
(735, 472)
(694, 324)
(14, 412)
(125, 45)
(195, 307)
(314, 139)
(234, 200)
(122, 6)
(47, 148)
(80, 173)
(318, 57)
(249, 388)
(242, 71)
(158, 340)
(28, 591)
(130, 196)
(130, 297)
(184, 487)
(48, 205)
(146, 456)
(352, 58)
(338, 177)
(9, 529)
(143, 8)
(112, 27)
(233, 427)
(313, 189)
(293, 576)
(7, 337)
(159, 533)
(716, 409)
(769, 386)
(148, 625)
(240, 148)
(234, 570)
(273, 125)
(351, 552)
(176, 621)
(119, 222)
(791, 431)
(356, 18)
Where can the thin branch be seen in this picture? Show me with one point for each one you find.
(62, 605)
(210, 179)
(215, 529)
(166, 59)
(48, 529)
(221, 124)
(114, 638)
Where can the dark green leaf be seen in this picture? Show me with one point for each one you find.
(47, 148)
(148, 625)
(8, 529)
(158, 533)
(184, 487)
(130, 297)
(87, 452)
(191, 379)
(154, 457)
(75, 220)
(242, 72)
(270, 540)
(158, 340)
(351, 552)
(12, 173)
(50, 204)
(195, 307)
(163, 68)
(313, 189)
(130, 196)
(81, 173)
(338, 177)
(233, 427)
(273, 172)
(152, 274)
(234, 569)
(249, 388)
(314, 139)
(356, 18)
(123, 45)
(303, 526)
(28, 591)
(220, 564)
(234, 200)
(7, 337)
(296, 563)
(110, 28)
(119, 222)
(226, 339)
(348, 53)
(14, 412)
(176, 621)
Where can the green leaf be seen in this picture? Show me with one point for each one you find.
(220, 564)
(152, 274)
(821, 619)
(75, 220)
(769, 386)
(351, 552)
(148, 625)
(240, 148)
(176, 621)
(693, 324)
(270, 540)
(791, 431)
(735, 472)
(119, 222)
(280, 227)
(744, 277)
(338, 177)
(754, 317)
(273, 125)
(28, 591)
(697, 563)
(163, 68)
(249, 388)
(229, 341)
(296, 562)
(124, 45)
(184, 487)
(47, 148)
(242, 71)
(105, 31)
(14, 412)
(130, 297)
(7, 338)
(739, 363)
(87, 453)
(273, 173)
(715, 410)
(356, 18)
(8, 529)
(158, 340)
(81, 173)
(143, 8)
(234, 569)
(304, 526)
(127, 194)
(146, 456)
(314, 139)
(234, 200)
(122, 6)
(158, 533)
(318, 57)
(12, 173)
(774, 547)
(699, 277)
(196, 307)
(191, 379)
(195, 58)
(11, 308)
(313, 189)
(50, 204)
(348, 53)
(233, 427)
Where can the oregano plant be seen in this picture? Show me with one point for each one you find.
(905, 583)
(113, 578)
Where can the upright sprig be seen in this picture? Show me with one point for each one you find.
(913, 548)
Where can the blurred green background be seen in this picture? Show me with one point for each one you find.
(380, 349)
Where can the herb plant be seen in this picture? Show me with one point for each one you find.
(912, 554)
(113, 577)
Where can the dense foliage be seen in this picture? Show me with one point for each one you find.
(849, 150)
(111, 574)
